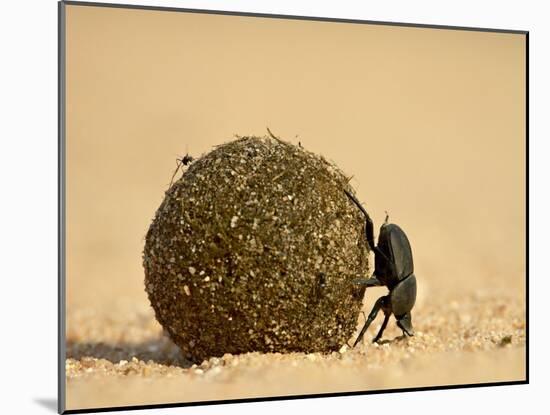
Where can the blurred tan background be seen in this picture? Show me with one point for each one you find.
(430, 122)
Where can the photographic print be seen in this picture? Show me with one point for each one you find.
(259, 207)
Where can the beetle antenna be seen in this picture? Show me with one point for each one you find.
(387, 217)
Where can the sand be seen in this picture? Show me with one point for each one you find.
(121, 357)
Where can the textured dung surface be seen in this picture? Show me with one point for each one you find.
(256, 248)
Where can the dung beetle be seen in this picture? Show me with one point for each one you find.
(393, 268)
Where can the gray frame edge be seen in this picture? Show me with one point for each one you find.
(290, 17)
(61, 303)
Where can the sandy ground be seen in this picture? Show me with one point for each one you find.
(121, 357)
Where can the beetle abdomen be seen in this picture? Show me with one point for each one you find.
(403, 296)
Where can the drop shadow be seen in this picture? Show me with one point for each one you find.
(160, 350)
(48, 403)
(394, 340)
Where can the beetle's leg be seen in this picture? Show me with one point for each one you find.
(387, 315)
(372, 315)
(369, 228)
(369, 282)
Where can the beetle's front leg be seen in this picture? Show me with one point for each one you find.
(380, 303)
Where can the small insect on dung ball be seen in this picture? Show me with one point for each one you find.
(256, 248)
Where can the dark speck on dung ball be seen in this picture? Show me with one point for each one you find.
(256, 248)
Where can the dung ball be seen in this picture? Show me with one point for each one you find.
(255, 248)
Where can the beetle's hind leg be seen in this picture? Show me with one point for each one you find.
(369, 227)
(380, 303)
(387, 315)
